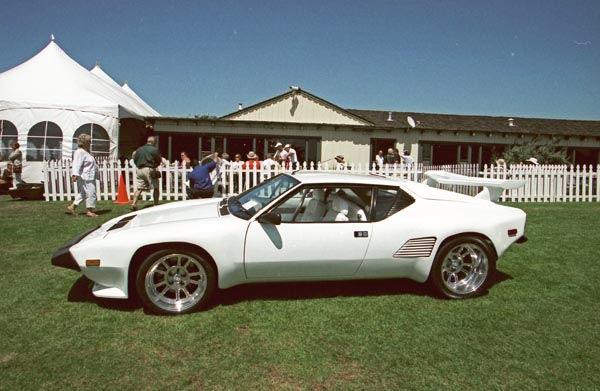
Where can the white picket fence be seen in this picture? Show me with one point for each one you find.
(543, 183)
(549, 183)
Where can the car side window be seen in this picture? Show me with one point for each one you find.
(326, 205)
(389, 201)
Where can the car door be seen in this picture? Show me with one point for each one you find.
(296, 248)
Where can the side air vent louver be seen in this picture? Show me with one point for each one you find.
(416, 248)
(121, 223)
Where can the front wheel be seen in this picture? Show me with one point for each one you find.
(173, 281)
(463, 268)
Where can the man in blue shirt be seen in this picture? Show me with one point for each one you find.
(201, 185)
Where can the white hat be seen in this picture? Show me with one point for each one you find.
(278, 145)
(287, 146)
(251, 155)
(533, 160)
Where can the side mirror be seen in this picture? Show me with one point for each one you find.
(270, 218)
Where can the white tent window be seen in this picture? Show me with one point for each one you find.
(100, 139)
(44, 142)
(8, 135)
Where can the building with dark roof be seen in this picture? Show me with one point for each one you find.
(320, 130)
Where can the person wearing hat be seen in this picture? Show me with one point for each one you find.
(290, 156)
(278, 151)
(252, 164)
(341, 164)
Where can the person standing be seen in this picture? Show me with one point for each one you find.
(16, 158)
(291, 157)
(252, 162)
(408, 160)
(269, 163)
(277, 156)
(379, 159)
(147, 159)
(185, 160)
(201, 184)
(221, 174)
(390, 159)
(250, 167)
(341, 164)
(236, 167)
(397, 156)
(84, 172)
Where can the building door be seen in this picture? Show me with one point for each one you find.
(381, 144)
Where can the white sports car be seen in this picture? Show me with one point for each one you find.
(299, 227)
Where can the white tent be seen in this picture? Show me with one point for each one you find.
(150, 112)
(143, 107)
(50, 98)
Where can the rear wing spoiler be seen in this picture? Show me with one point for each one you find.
(492, 188)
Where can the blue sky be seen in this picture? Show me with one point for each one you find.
(523, 58)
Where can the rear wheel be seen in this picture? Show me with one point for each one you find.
(463, 268)
(173, 281)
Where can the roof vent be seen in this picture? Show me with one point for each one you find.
(390, 116)
(240, 106)
(511, 122)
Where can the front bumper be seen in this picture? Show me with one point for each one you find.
(63, 258)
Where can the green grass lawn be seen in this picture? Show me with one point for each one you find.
(538, 328)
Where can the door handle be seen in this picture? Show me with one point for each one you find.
(361, 234)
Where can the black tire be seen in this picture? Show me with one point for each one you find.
(463, 268)
(173, 281)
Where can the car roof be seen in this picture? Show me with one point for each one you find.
(320, 177)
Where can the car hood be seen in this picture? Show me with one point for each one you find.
(178, 211)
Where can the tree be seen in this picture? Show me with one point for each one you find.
(549, 153)
(205, 116)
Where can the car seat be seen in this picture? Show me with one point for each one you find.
(316, 207)
(338, 211)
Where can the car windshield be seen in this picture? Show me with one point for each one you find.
(252, 200)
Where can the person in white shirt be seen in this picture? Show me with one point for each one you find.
(84, 172)
(269, 163)
(278, 151)
(341, 164)
(290, 157)
(379, 159)
(407, 160)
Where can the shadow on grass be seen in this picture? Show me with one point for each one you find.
(81, 291)
(325, 289)
(82, 213)
(318, 290)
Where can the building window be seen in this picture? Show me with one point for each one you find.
(8, 135)
(100, 141)
(44, 142)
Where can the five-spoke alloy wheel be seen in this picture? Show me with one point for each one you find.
(172, 281)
